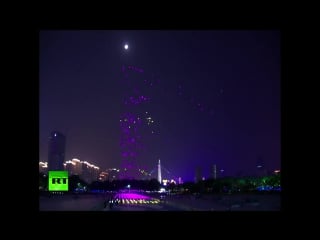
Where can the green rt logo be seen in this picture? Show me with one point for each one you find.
(58, 181)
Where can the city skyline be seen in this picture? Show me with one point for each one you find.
(216, 101)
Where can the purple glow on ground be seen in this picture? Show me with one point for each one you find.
(131, 196)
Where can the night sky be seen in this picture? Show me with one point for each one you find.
(216, 97)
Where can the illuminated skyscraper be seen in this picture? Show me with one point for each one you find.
(159, 172)
(56, 153)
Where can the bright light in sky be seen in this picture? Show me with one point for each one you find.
(126, 46)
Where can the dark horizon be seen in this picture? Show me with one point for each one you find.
(216, 101)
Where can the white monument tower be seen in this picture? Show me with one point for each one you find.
(159, 172)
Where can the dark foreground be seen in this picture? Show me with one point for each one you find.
(216, 202)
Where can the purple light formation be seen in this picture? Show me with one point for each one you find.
(131, 196)
(206, 106)
(133, 121)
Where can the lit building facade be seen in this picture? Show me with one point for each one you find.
(43, 167)
(113, 174)
(90, 172)
(86, 171)
(103, 176)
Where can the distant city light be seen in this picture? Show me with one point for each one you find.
(164, 181)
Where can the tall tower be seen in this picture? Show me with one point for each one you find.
(56, 153)
(159, 172)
